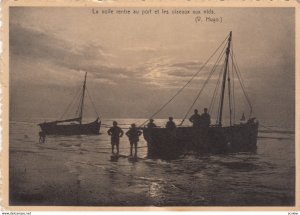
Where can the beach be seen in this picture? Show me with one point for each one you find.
(77, 171)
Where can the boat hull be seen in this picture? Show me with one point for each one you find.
(166, 143)
(52, 128)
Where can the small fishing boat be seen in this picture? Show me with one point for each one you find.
(215, 138)
(73, 126)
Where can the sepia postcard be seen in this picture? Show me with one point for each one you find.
(137, 105)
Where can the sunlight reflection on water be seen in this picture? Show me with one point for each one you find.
(262, 178)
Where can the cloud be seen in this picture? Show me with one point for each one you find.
(188, 65)
(164, 72)
(105, 81)
(140, 49)
(31, 45)
(34, 43)
(61, 54)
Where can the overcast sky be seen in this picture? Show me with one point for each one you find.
(135, 63)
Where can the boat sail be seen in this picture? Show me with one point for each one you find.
(215, 138)
(73, 126)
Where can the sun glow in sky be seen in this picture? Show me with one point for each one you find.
(135, 63)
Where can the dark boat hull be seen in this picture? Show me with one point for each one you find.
(52, 128)
(166, 143)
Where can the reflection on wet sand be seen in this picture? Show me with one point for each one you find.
(78, 171)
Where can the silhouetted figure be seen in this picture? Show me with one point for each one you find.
(42, 135)
(151, 124)
(251, 120)
(170, 124)
(133, 135)
(196, 119)
(243, 118)
(205, 118)
(115, 132)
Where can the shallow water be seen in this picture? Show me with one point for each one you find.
(76, 170)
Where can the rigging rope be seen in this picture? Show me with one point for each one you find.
(72, 101)
(206, 81)
(212, 103)
(242, 85)
(94, 106)
(186, 84)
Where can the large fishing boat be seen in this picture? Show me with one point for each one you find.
(215, 138)
(73, 126)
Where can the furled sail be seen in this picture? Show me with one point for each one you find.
(66, 120)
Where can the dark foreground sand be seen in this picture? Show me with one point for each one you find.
(43, 179)
(77, 171)
(37, 179)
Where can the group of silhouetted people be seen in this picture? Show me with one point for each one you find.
(199, 121)
(133, 135)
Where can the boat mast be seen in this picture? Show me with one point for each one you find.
(224, 78)
(82, 99)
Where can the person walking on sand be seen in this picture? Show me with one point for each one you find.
(42, 135)
(133, 135)
(115, 132)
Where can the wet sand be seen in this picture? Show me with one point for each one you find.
(41, 179)
(38, 179)
(77, 171)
